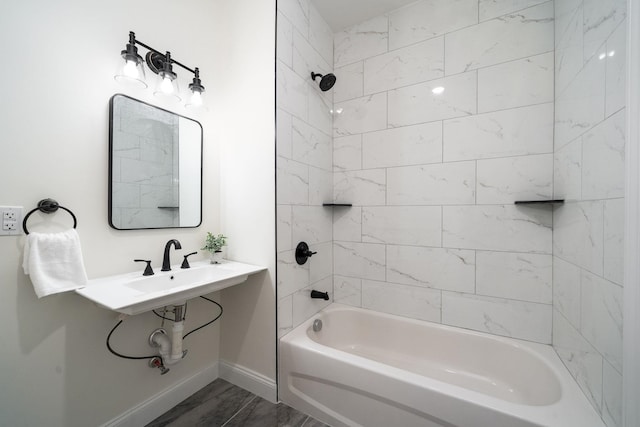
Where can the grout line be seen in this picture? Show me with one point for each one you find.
(240, 410)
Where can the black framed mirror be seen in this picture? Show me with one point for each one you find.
(155, 167)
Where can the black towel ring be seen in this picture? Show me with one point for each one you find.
(47, 206)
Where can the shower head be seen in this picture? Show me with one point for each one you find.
(326, 82)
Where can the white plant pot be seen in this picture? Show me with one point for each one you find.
(215, 257)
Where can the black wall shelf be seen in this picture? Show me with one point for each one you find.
(540, 202)
(337, 205)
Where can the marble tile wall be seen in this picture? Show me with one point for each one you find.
(446, 119)
(589, 174)
(304, 164)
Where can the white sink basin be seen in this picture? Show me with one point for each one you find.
(133, 293)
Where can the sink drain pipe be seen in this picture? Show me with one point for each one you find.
(170, 349)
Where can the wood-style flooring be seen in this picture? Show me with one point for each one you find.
(222, 404)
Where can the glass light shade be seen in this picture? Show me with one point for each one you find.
(167, 89)
(196, 101)
(131, 73)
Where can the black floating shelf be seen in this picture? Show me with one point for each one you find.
(337, 204)
(540, 202)
(168, 207)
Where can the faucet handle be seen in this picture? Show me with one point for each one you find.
(185, 262)
(148, 271)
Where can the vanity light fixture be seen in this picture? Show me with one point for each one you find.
(161, 64)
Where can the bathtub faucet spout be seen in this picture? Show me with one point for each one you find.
(318, 294)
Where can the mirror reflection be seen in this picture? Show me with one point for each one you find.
(155, 167)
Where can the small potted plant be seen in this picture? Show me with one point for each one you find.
(213, 245)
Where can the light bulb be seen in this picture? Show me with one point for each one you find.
(196, 98)
(437, 90)
(166, 86)
(130, 69)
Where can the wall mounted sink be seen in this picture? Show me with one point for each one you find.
(133, 293)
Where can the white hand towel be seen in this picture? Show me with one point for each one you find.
(54, 262)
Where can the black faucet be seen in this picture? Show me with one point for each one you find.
(166, 263)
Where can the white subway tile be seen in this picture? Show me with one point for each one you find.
(566, 290)
(517, 83)
(320, 186)
(361, 260)
(500, 228)
(297, 11)
(285, 315)
(515, 319)
(505, 180)
(366, 187)
(436, 184)
(293, 182)
(426, 19)
(347, 153)
(603, 159)
(402, 225)
(582, 105)
(612, 397)
(616, 83)
(360, 115)
(361, 41)
(347, 224)
(291, 92)
(447, 269)
(321, 263)
(304, 307)
(526, 33)
(320, 35)
(490, 9)
(569, 44)
(320, 107)
(291, 276)
(578, 234)
(311, 146)
(408, 145)
(515, 132)
(349, 82)
(614, 240)
(581, 359)
(347, 290)
(284, 135)
(401, 300)
(283, 216)
(284, 39)
(311, 224)
(601, 17)
(306, 58)
(602, 317)
(567, 172)
(406, 66)
(525, 277)
(419, 104)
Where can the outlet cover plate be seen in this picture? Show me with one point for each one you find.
(11, 218)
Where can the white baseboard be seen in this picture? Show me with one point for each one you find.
(157, 405)
(249, 380)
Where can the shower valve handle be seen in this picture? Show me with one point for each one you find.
(303, 253)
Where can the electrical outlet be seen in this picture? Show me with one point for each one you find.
(11, 220)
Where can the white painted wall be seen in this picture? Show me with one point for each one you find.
(57, 80)
(245, 49)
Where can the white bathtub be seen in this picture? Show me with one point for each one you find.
(371, 369)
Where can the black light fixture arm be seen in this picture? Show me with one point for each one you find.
(134, 41)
